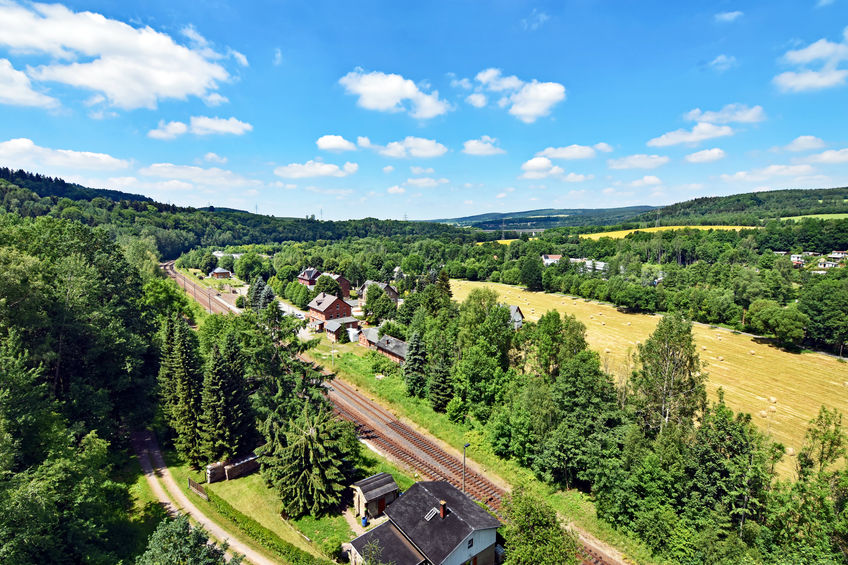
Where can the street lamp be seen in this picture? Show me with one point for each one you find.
(464, 447)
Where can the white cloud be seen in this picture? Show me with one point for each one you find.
(539, 168)
(700, 132)
(213, 176)
(16, 89)
(396, 189)
(334, 143)
(569, 152)
(805, 143)
(214, 99)
(484, 146)
(730, 113)
(422, 170)
(501, 195)
(759, 175)
(640, 161)
(285, 185)
(728, 16)
(23, 153)
(392, 93)
(131, 67)
(463, 83)
(388, 169)
(204, 125)
(535, 20)
(413, 147)
(826, 53)
(476, 99)
(278, 57)
(425, 182)
(723, 62)
(647, 180)
(830, 156)
(363, 142)
(706, 156)
(603, 146)
(214, 158)
(527, 101)
(200, 125)
(315, 169)
(575, 177)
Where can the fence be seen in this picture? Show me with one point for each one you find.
(198, 489)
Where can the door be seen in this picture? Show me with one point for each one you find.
(474, 560)
(381, 505)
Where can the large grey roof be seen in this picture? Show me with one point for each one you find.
(437, 537)
(371, 334)
(376, 486)
(333, 325)
(309, 273)
(393, 345)
(385, 286)
(394, 548)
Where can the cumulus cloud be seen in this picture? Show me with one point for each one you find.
(24, 153)
(392, 93)
(425, 182)
(739, 113)
(200, 125)
(484, 146)
(700, 132)
(16, 89)
(212, 176)
(827, 55)
(388, 169)
(568, 152)
(131, 67)
(412, 147)
(422, 170)
(805, 143)
(725, 17)
(315, 169)
(830, 156)
(706, 156)
(214, 158)
(527, 101)
(640, 161)
(396, 189)
(723, 63)
(539, 168)
(604, 147)
(647, 180)
(575, 177)
(759, 175)
(334, 143)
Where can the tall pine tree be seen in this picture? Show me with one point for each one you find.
(228, 421)
(266, 298)
(439, 388)
(186, 380)
(167, 390)
(415, 366)
(254, 292)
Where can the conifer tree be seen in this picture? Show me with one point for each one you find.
(266, 298)
(254, 293)
(443, 283)
(227, 417)
(415, 366)
(311, 479)
(439, 388)
(185, 367)
(167, 392)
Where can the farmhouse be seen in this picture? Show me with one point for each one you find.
(390, 291)
(837, 255)
(371, 495)
(308, 277)
(392, 347)
(548, 260)
(433, 522)
(823, 264)
(325, 307)
(220, 273)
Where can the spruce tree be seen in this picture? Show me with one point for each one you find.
(185, 367)
(227, 417)
(266, 298)
(167, 391)
(415, 366)
(439, 388)
(311, 478)
(254, 293)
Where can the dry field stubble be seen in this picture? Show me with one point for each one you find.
(782, 391)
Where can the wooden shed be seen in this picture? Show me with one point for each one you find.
(371, 495)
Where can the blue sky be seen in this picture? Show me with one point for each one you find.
(426, 110)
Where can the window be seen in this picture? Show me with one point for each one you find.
(470, 543)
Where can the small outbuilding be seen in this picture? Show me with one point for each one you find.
(371, 495)
(220, 273)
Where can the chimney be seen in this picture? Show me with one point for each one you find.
(443, 509)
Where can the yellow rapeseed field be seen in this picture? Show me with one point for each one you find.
(782, 391)
(621, 233)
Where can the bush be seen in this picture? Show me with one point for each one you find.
(241, 302)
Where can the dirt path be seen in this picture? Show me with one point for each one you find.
(154, 467)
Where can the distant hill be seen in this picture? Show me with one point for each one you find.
(750, 208)
(549, 218)
(50, 186)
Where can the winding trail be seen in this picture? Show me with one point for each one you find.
(155, 470)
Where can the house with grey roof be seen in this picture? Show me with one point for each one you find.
(390, 291)
(392, 347)
(373, 494)
(432, 523)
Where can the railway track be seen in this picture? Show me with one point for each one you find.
(204, 296)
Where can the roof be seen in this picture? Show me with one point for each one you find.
(546, 256)
(334, 276)
(220, 270)
(309, 273)
(394, 548)
(515, 313)
(334, 325)
(376, 486)
(385, 286)
(437, 537)
(393, 345)
(371, 334)
(322, 302)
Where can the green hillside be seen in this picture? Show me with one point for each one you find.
(549, 218)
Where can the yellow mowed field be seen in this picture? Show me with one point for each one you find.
(621, 233)
(751, 373)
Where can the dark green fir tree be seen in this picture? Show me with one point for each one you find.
(415, 366)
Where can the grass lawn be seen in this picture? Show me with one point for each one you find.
(354, 368)
(621, 233)
(818, 216)
(146, 512)
(750, 371)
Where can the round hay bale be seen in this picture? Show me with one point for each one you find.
(628, 323)
(720, 358)
(703, 347)
(607, 350)
(772, 409)
(603, 323)
(773, 400)
(591, 317)
(790, 451)
(753, 352)
(763, 414)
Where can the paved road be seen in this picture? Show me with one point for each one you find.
(153, 465)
